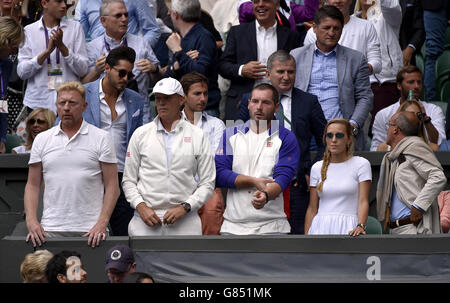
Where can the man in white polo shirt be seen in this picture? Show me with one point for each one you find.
(162, 162)
(77, 163)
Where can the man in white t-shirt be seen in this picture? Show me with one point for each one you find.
(409, 78)
(77, 163)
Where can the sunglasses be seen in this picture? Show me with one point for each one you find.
(119, 15)
(39, 121)
(338, 135)
(123, 73)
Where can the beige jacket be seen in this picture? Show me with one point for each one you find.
(418, 180)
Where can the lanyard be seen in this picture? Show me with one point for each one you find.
(108, 48)
(49, 62)
(3, 91)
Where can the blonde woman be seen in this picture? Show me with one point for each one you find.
(340, 185)
(34, 265)
(38, 121)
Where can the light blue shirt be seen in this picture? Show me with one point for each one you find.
(97, 47)
(139, 13)
(324, 83)
(398, 209)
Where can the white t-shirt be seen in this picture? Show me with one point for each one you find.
(338, 202)
(74, 189)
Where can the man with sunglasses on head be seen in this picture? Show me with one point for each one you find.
(257, 161)
(114, 18)
(119, 111)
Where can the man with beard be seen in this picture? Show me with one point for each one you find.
(119, 111)
(256, 161)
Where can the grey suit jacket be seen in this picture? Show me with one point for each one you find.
(355, 94)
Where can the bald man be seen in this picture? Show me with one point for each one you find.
(410, 180)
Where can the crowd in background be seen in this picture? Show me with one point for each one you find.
(166, 100)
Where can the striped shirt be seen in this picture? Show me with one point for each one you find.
(324, 83)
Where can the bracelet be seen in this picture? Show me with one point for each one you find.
(266, 194)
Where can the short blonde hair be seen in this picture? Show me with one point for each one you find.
(50, 118)
(11, 32)
(34, 265)
(72, 85)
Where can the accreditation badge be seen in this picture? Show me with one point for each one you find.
(3, 106)
(55, 78)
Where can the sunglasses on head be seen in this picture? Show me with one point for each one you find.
(338, 135)
(39, 121)
(123, 73)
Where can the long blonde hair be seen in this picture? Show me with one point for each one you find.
(327, 153)
(50, 118)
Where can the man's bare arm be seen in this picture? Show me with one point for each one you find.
(31, 200)
(112, 192)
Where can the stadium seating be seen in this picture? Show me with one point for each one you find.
(373, 226)
(442, 70)
(445, 92)
(12, 141)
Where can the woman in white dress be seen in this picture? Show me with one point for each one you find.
(38, 121)
(339, 186)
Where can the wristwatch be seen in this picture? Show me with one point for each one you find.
(355, 131)
(362, 225)
(427, 119)
(187, 206)
(266, 194)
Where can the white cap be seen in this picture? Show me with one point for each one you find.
(168, 86)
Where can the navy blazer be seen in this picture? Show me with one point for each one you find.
(134, 105)
(241, 48)
(307, 120)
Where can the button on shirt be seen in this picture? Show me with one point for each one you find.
(324, 83)
(117, 128)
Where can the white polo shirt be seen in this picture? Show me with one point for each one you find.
(74, 189)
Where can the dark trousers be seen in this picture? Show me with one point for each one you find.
(299, 201)
(122, 214)
(383, 95)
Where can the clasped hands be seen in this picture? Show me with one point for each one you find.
(259, 200)
(149, 216)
